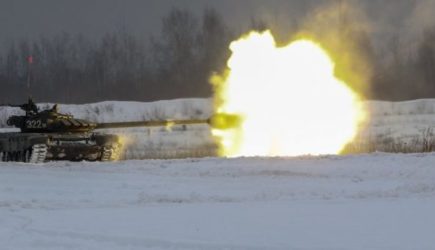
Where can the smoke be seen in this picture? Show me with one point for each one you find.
(419, 21)
(422, 16)
(408, 55)
(377, 45)
(343, 29)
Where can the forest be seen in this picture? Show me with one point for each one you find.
(176, 63)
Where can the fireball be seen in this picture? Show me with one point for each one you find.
(288, 100)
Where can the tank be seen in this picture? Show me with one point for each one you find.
(48, 135)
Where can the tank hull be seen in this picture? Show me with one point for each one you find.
(40, 147)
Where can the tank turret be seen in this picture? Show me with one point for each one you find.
(47, 121)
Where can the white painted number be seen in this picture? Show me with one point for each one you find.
(34, 124)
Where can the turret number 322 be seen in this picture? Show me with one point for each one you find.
(35, 124)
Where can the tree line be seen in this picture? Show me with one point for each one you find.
(407, 75)
(176, 63)
(119, 66)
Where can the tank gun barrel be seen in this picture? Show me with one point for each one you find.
(30, 106)
(149, 123)
(10, 105)
(218, 121)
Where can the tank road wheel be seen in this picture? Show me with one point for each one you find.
(26, 155)
(38, 153)
(34, 155)
(111, 153)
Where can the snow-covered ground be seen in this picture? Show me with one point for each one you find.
(399, 126)
(377, 201)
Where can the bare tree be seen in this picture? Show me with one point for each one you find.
(176, 52)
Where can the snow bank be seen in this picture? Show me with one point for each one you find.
(398, 127)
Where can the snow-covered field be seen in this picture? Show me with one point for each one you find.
(398, 127)
(377, 201)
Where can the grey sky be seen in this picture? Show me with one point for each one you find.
(30, 18)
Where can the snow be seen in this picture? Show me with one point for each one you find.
(368, 201)
(399, 123)
(375, 201)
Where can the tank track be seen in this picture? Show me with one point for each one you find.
(36, 154)
(111, 153)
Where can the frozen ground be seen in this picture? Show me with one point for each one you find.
(377, 201)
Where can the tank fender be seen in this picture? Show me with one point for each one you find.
(106, 139)
(39, 140)
(21, 142)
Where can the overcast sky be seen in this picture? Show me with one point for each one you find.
(21, 18)
(30, 18)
